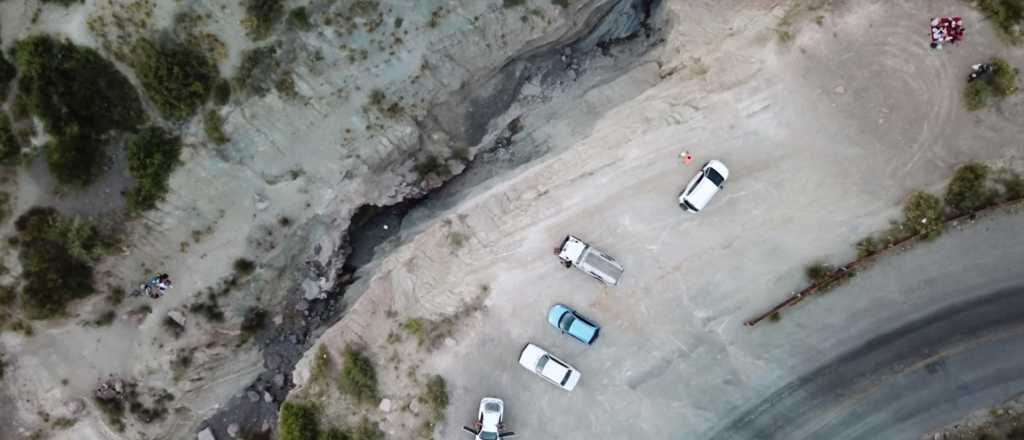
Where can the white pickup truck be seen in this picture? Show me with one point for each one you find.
(574, 252)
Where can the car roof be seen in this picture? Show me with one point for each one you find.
(702, 193)
(582, 329)
(555, 370)
(491, 409)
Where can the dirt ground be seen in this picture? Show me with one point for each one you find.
(824, 135)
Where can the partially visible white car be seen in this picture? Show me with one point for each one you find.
(546, 365)
(703, 186)
(490, 421)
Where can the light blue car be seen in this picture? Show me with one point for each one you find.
(568, 321)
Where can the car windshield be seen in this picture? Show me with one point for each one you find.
(566, 322)
(689, 205)
(542, 362)
(715, 177)
(488, 435)
(566, 378)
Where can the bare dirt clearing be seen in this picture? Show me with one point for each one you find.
(824, 134)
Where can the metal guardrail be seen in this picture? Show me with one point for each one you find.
(844, 270)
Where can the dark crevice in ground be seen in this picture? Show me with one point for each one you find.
(283, 345)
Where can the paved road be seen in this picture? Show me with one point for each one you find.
(902, 383)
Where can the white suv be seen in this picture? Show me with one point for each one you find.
(546, 365)
(703, 186)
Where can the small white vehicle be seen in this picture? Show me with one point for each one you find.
(546, 365)
(703, 186)
(574, 252)
(490, 421)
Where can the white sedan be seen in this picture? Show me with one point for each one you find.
(490, 423)
(703, 186)
(549, 367)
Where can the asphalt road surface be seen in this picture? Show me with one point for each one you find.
(902, 383)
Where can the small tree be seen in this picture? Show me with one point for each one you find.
(1004, 77)
(967, 191)
(298, 422)
(358, 377)
(922, 213)
(152, 157)
(976, 95)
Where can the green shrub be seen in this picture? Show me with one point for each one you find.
(826, 276)
(176, 77)
(152, 157)
(358, 377)
(261, 16)
(818, 272)
(7, 73)
(320, 364)
(10, 149)
(256, 65)
(298, 18)
(253, 321)
(222, 92)
(967, 191)
(1012, 183)
(5, 210)
(976, 95)
(512, 3)
(53, 250)
(1004, 78)
(436, 399)
(243, 267)
(298, 422)
(1006, 15)
(561, 3)
(922, 213)
(213, 124)
(209, 309)
(285, 86)
(80, 96)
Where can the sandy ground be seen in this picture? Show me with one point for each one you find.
(313, 158)
(824, 136)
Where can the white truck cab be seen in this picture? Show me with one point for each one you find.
(574, 252)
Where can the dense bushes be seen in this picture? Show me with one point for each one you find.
(213, 124)
(56, 255)
(922, 213)
(1006, 15)
(176, 77)
(152, 157)
(358, 377)
(10, 149)
(7, 73)
(256, 65)
(1004, 78)
(298, 18)
(261, 16)
(297, 422)
(1001, 82)
(967, 190)
(222, 92)
(80, 96)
